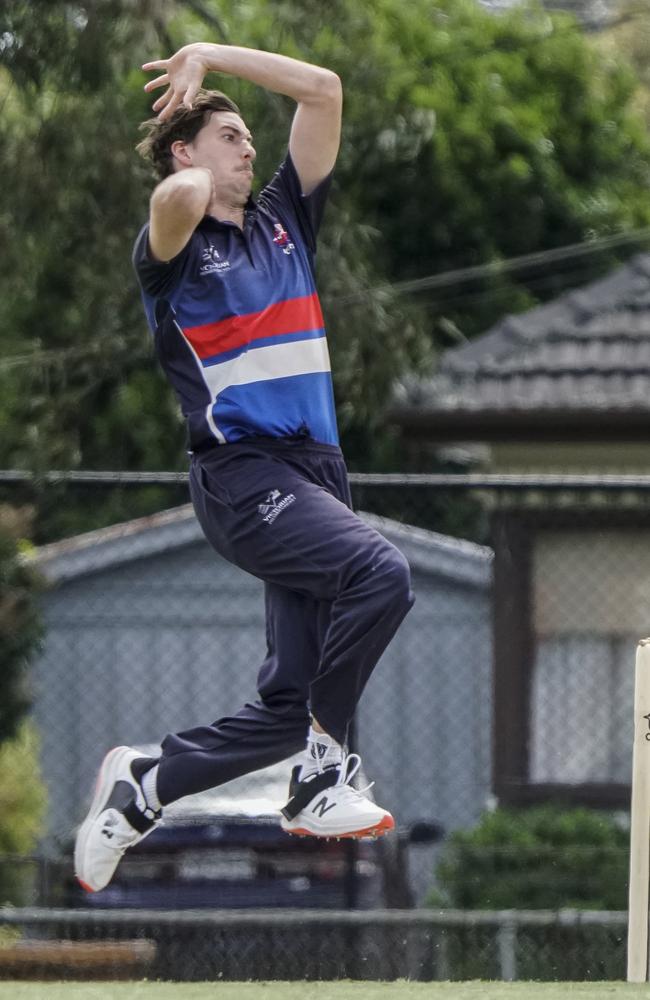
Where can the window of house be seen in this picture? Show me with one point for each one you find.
(590, 606)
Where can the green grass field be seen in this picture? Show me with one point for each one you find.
(321, 991)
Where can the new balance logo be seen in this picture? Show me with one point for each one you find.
(322, 807)
(274, 505)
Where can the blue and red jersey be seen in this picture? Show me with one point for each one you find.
(237, 322)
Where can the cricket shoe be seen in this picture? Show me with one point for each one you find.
(119, 817)
(325, 804)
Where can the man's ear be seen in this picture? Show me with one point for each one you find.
(181, 152)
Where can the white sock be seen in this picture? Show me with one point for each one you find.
(321, 751)
(149, 789)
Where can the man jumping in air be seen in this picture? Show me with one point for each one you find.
(229, 293)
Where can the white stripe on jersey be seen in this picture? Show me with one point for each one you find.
(302, 357)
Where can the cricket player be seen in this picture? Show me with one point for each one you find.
(229, 292)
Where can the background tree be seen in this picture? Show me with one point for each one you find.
(627, 37)
(71, 98)
(468, 138)
(20, 628)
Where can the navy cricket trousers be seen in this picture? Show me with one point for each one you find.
(336, 591)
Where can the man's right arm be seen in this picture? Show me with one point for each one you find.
(177, 206)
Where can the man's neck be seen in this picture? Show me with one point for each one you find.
(225, 212)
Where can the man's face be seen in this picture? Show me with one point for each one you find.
(224, 146)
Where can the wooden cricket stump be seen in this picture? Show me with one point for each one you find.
(637, 929)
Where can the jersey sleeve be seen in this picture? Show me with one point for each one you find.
(283, 195)
(158, 277)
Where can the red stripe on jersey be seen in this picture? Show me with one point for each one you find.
(290, 316)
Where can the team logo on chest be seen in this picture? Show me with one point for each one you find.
(282, 239)
(211, 261)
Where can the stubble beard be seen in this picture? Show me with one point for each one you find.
(233, 195)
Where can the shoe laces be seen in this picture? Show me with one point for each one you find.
(117, 833)
(349, 766)
(323, 753)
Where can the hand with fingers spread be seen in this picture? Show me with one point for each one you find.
(182, 74)
(316, 127)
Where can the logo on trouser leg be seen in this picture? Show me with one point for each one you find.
(274, 505)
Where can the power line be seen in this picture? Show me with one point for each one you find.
(52, 355)
(55, 356)
(508, 266)
(432, 282)
(571, 277)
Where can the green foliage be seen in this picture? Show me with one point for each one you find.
(627, 37)
(22, 808)
(544, 857)
(506, 135)
(20, 628)
(22, 794)
(467, 138)
(70, 309)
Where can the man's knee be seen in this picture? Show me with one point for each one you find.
(396, 575)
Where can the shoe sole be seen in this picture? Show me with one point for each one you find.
(385, 825)
(105, 781)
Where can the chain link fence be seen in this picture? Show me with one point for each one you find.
(312, 945)
(508, 687)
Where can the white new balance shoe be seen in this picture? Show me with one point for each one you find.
(119, 817)
(324, 804)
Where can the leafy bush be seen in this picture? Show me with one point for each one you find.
(22, 806)
(22, 796)
(545, 857)
(20, 628)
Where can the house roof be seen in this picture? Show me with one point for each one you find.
(454, 559)
(564, 364)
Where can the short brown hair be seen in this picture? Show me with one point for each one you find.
(184, 124)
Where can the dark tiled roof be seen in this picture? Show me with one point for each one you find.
(587, 351)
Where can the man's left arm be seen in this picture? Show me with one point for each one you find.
(316, 129)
